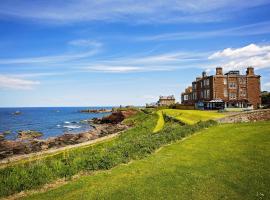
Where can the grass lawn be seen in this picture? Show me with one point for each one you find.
(189, 117)
(160, 122)
(192, 116)
(228, 161)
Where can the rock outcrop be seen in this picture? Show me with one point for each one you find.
(28, 141)
(29, 134)
(102, 110)
(118, 116)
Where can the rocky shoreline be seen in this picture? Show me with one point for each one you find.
(102, 110)
(101, 127)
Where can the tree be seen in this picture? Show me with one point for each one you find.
(265, 98)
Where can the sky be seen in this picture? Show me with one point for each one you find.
(111, 53)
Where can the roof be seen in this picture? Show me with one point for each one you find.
(171, 97)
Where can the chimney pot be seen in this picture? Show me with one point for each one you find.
(219, 71)
(250, 71)
(204, 74)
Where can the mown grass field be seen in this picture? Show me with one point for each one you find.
(222, 162)
(192, 116)
(189, 117)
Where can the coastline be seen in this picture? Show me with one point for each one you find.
(37, 155)
(12, 150)
(103, 128)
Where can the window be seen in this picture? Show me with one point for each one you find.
(232, 96)
(225, 92)
(201, 84)
(206, 82)
(242, 80)
(225, 81)
(201, 94)
(194, 96)
(232, 85)
(194, 86)
(185, 97)
(208, 94)
(243, 92)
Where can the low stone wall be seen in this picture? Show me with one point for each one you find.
(248, 116)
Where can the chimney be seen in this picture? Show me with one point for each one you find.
(250, 71)
(219, 71)
(204, 74)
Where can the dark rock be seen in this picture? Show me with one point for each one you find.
(2, 137)
(102, 110)
(118, 116)
(6, 132)
(17, 113)
(26, 135)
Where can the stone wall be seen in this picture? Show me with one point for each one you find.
(249, 116)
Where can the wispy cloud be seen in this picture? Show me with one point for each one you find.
(239, 58)
(85, 43)
(86, 48)
(48, 59)
(164, 11)
(246, 30)
(122, 69)
(155, 62)
(9, 82)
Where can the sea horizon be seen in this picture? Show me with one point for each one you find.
(50, 121)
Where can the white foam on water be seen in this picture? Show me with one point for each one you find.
(67, 122)
(72, 126)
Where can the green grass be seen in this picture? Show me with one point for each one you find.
(223, 162)
(192, 116)
(133, 144)
(160, 122)
(189, 117)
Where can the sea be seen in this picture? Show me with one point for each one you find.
(51, 121)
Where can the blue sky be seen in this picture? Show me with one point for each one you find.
(88, 53)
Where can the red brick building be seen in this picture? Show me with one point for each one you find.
(224, 90)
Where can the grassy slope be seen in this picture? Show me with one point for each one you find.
(185, 116)
(192, 116)
(224, 162)
(160, 122)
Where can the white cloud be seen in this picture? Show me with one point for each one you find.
(245, 30)
(142, 63)
(118, 10)
(48, 59)
(85, 43)
(243, 52)
(9, 82)
(121, 69)
(254, 55)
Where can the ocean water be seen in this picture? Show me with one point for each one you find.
(51, 121)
